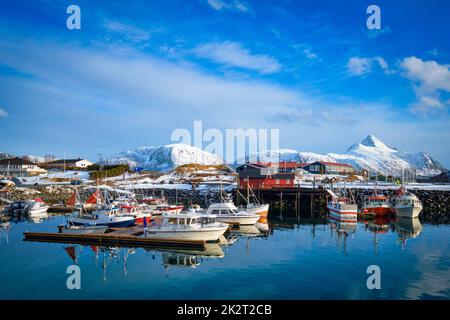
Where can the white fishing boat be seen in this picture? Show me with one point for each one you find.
(253, 204)
(341, 207)
(407, 204)
(186, 226)
(227, 212)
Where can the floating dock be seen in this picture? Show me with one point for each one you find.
(115, 238)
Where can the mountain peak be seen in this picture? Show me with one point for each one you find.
(372, 141)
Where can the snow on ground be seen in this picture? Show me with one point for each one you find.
(44, 179)
(180, 186)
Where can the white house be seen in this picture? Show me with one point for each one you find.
(16, 167)
(69, 163)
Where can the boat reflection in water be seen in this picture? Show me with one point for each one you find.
(191, 258)
(343, 230)
(5, 226)
(407, 228)
(104, 256)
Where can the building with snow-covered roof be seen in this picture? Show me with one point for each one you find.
(17, 167)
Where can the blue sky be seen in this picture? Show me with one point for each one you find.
(137, 70)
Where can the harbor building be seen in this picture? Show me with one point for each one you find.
(17, 167)
(321, 167)
(69, 164)
(264, 176)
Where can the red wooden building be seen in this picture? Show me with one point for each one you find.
(264, 176)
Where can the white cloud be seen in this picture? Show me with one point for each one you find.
(309, 54)
(232, 54)
(430, 75)
(3, 113)
(429, 79)
(233, 5)
(131, 32)
(358, 66)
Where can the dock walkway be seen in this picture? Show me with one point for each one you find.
(116, 238)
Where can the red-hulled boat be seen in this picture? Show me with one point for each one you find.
(377, 204)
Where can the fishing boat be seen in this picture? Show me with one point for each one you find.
(406, 203)
(186, 226)
(253, 204)
(106, 214)
(153, 201)
(142, 215)
(377, 204)
(168, 208)
(228, 213)
(342, 207)
(82, 229)
(110, 217)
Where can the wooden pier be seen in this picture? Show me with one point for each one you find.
(293, 200)
(115, 238)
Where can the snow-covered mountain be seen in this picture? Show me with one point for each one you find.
(288, 155)
(4, 155)
(165, 158)
(35, 159)
(371, 154)
(374, 155)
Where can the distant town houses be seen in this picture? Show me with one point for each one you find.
(16, 167)
(69, 164)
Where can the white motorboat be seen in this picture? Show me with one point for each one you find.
(186, 226)
(32, 208)
(407, 205)
(36, 208)
(85, 229)
(110, 217)
(227, 212)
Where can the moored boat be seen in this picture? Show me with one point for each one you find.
(342, 208)
(82, 229)
(407, 205)
(377, 204)
(168, 208)
(109, 217)
(31, 208)
(228, 213)
(186, 226)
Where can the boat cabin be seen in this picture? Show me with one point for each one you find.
(222, 208)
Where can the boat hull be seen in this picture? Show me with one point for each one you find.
(262, 210)
(408, 211)
(347, 215)
(192, 235)
(37, 212)
(113, 223)
(88, 230)
(241, 220)
(380, 210)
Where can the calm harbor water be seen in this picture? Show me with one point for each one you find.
(284, 259)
